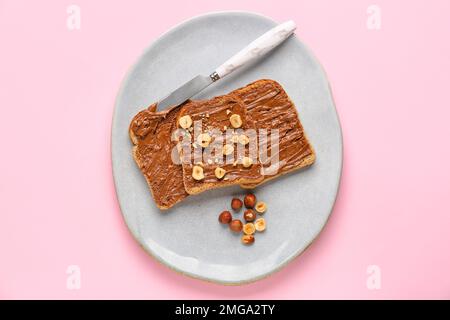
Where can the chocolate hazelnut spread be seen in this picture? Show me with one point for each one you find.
(215, 117)
(263, 105)
(151, 133)
(270, 108)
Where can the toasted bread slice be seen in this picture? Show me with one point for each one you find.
(262, 104)
(215, 119)
(150, 133)
(270, 108)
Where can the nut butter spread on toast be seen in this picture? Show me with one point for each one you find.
(262, 104)
(220, 119)
(270, 108)
(150, 133)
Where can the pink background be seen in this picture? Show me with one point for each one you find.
(57, 198)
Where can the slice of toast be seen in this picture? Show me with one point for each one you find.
(214, 118)
(262, 104)
(270, 108)
(150, 133)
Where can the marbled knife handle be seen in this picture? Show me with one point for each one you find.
(257, 48)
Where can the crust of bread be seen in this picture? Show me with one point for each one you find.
(305, 162)
(223, 183)
(138, 161)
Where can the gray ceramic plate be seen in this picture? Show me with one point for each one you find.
(188, 237)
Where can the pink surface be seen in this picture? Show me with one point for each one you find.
(57, 198)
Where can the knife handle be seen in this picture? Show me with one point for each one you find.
(256, 49)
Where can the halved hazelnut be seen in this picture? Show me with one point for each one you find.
(260, 224)
(243, 139)
(227, 149)
(204, 139)
(197, 173)
(247, 239)
(219, 172)
(185, 122)
(247, 162)
(260, 207)
(249, 228)
(236, 121)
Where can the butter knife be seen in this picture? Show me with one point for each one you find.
(251, 52)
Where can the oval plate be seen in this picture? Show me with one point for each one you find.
(188, 237)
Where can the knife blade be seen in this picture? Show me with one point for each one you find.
(186, 91)
(251, 52)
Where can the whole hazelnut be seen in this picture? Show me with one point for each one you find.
(248, 239)
(225, 217)
(236, 204)
(249, 215)
(250, 200)
(236, 225)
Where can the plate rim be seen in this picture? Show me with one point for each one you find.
(148, 250)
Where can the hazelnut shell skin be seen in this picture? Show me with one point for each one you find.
(225, 217)
(236, 204)
(250, 201)
(236, 225)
